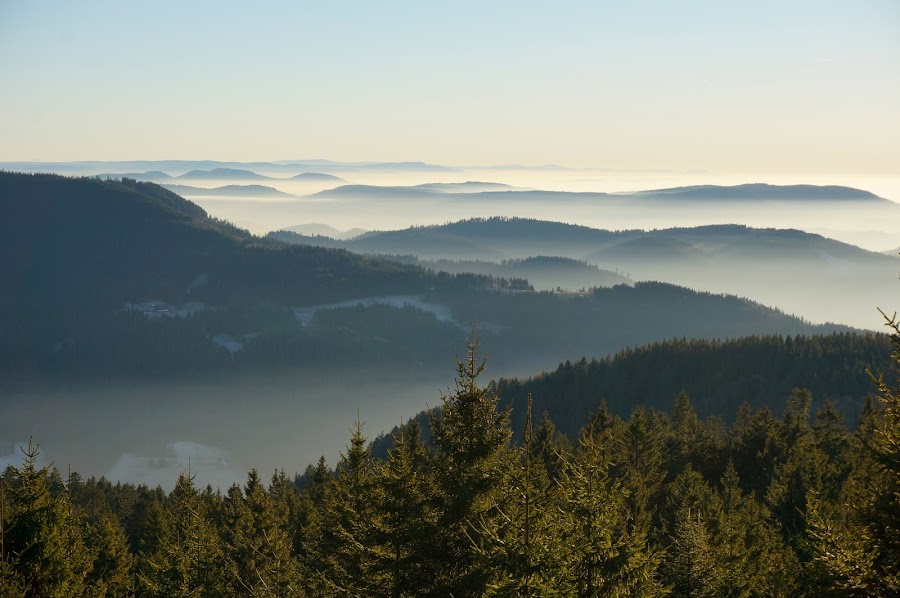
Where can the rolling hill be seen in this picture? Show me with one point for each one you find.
(222, 174)
(316, 176)
(799, 272)
(227, 191)
(755, 192)
(123, 278)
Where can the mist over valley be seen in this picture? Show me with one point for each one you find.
(221, 327)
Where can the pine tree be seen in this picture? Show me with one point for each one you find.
(517, 543)
(111, 573)
(549, 446)
(257, 544)
(603, 556)
(856, 545)
(340, 548)
(641, 469)
(470, 438)
(403, 488)
(12, 584)
(186, 558)
(723, 544)
(42, 538)
(798, 476)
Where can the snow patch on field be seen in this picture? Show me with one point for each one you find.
(228, 342)
(160, 309)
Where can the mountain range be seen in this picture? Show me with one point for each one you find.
(227, 191)
(702, 193)
(100, 272)
(799, 272)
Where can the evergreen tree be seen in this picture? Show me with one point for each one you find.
(470, 438)
(517, 543)
(856, 546)
(799, 475)
(256, 543)
(42, 537)
(111, 574)
(549, 447)
(723, 545)
(186, 557)
(403, 512)
(640, 466)
(341, 552)
(603, 556)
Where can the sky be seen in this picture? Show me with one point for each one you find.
(779, 87)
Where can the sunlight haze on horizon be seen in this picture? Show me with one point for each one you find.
(805, 87)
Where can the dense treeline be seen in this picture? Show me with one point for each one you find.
(654, 504)
(719, 376)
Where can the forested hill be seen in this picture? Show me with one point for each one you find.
(718, 376)
(74, 251)
(92, 243)
(503, 238)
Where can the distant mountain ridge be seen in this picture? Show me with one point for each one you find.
(800, 272)
(227, 191)
(315, 176)
(222, 174)
(316, 229)
(505, 238)
(94, 167)
(700, 193)
(763, 191)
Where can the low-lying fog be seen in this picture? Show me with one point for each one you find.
(148, 433)
(871, 227)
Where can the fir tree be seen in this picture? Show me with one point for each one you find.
(517, 542)
(186, 558)
(257, 544)
(340, 550)
(42, 538)
(857, 547)
(403, 512)
(603, 556)
(470, 437)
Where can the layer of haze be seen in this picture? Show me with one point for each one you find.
(871, 228)
(806, 86)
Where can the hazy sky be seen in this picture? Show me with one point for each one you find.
(799, 86)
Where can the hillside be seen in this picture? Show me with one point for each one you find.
(122, 278)
(718, 376)
(763, 192)
(316, 176)
(545, 273)
(73, 252)
(323, 230)
(799, 272)
(521, 237)
(222, 174)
